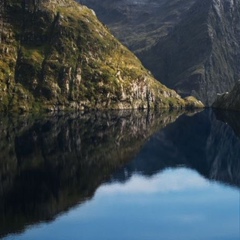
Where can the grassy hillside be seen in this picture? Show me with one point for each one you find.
(56, 55)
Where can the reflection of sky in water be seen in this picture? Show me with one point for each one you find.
(175, 204)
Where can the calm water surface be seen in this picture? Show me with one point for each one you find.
(120, 175)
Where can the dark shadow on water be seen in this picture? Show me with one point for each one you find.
(52, 163)
(206, 142)
(49, 164)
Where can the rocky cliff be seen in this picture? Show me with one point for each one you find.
(193, 45)
(229, 100)
(56, 55)
(139, 24)
(201, 55)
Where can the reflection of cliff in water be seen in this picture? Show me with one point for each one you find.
(50, 165)
(231, 118)
(201, 142)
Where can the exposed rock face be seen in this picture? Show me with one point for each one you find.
(57, 55)
(229, 100)
(201, 55)
(193, 46)
(139, 24)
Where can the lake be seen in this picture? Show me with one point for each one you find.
(122, 175)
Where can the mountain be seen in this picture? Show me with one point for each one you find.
(139, 24)
(192, 46)
(56, 55)
(201, 55)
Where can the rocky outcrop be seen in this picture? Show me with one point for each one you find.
(229, 100)
(56, 55)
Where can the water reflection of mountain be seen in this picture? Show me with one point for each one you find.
(206, 142)
(50, 165)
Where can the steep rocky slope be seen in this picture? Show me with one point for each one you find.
(193, 46)
(201, 55)
(229, 100)
(139, 24)
(57, 55)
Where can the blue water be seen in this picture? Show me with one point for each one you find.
(171, 188)
(175, 204)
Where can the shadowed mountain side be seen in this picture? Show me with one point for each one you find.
(49, 165)
(200, 57)
(192, 46)
(229, 100)
(231, 118)
(139, 24)
(200, 142)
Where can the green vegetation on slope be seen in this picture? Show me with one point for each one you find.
(56, 55)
